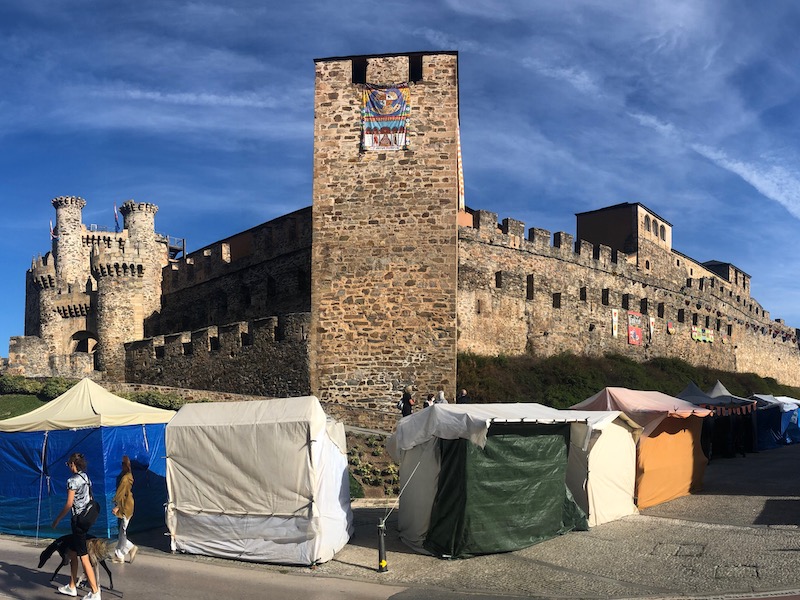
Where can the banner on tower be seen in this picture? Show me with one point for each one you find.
(384, 115)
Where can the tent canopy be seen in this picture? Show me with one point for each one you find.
(472, 422)
(86, 404)
(647, 408)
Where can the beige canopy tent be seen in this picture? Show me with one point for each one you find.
(670, 460)
(103, 427)
(84, 405)
(262, 481)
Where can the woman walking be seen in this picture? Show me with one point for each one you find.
(123, 510)
(84, 513)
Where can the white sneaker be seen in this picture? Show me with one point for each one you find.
(67, 591)
(92, 595)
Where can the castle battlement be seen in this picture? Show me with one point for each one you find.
(130, 206)
(272, 241)
(69, 201)
(560, 245)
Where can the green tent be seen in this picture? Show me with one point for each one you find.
(479, 479)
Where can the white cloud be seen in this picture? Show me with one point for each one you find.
(773, 181)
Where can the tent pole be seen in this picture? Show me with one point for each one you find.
(382, 564)
(41, 477)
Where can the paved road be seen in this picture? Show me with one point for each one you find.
(739, 538)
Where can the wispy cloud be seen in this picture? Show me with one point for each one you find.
(773, 181)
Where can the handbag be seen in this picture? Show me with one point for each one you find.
(91, 511)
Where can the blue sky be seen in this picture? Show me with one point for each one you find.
(206, 109)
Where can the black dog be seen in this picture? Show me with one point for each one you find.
(98, 552)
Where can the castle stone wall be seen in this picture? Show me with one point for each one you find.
(265, 270)
(265, 357)
(545, 297)
(384, 258)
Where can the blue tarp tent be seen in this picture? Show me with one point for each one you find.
(787, 431)
(34, 448)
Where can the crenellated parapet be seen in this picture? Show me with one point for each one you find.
(277, 242)
(43, 272)
(116, 263)
(130, 207)
(267, 356)
(510, 234)
(75, 202)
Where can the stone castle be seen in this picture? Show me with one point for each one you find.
(385, 278)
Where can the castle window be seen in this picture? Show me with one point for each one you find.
(478, 307)
(247, 339)
(187, 349)
(583, 294)
(663, 232)
(719, 325)
(660, 310)
(708, 321)
(647, 265)
(647, 223)
(643, 306)
(730, 329)
(626, 301)
(359, 72)
(694, 318)
(529, 288)
(701, 282)
(691, 271)
(604, 297)
(498, 279)
(415, 67)
(272, 286)
(557, 300)
(689, 282)
(655, 227)
(303, 281)
(159, 351)
(213, 343)
(681, 315)
(738, 298)
(678, 262)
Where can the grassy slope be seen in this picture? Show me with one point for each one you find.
(564, 380)
(12, 405)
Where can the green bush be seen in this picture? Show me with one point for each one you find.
(54, 387)
(16, 384)
(356, 489)
(168, 400)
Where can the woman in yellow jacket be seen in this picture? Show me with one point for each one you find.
(123, 510)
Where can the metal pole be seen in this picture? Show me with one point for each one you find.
(382, 566)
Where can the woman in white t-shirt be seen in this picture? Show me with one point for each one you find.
(84, 514)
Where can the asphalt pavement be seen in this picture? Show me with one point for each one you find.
(738, 538)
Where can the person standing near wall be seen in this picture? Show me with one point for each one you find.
(123, 510)
(407, 401)
(440, 399)
(463, 398)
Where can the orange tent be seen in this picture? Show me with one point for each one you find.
(669, 460)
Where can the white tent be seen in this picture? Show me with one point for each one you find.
(600, 469)
(262, 481)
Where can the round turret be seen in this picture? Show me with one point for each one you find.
(70, 259)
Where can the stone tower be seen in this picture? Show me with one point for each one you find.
(385, 209)
(70, 259)
(128, 276)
